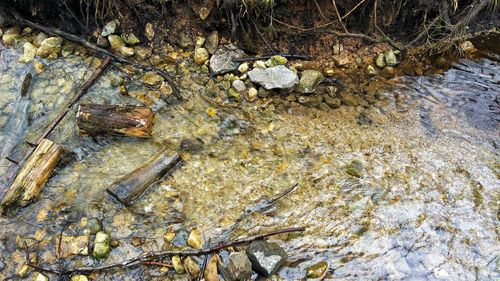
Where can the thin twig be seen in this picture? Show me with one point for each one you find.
(352, 10)
(148, 257)
(338, 16)
(292, 57)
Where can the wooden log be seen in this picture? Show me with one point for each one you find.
(31, 179)
(128, 120)
(131, 186)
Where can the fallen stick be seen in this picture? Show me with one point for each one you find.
(31, 179)
(292, 57)
(131, 186)
(101, 51)
(152, 256)
(80, 92)
(128, 120)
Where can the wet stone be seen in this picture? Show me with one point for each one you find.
(379, 60)
(266, 258)
(29, 52)
(221, 62)
(177, 265)
(194, 240)
(142, 53)
(101, 245)
(239, 86)
(188, 145)
(277, 77)
(119, 46)
(102, 42)
(212, 42)
(79, 277)
(243, 68)
(332, 102)
(110, 28)
(191, 266)
(137, 241)
(37, 276)
(310, 101)
(352, 99)
(388, 72)
(355, 168)
(130, 38)
(239, 266)
(317, 270)
(150, 31)
(231, 126)
(50, 47)
(200, 56)
(74, 245)
(211, 273)
(37, 41)
(390, 58)
(309, 80)
(370, 70)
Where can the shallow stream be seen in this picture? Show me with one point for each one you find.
(424, 205)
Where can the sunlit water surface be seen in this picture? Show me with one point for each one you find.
(426, 207)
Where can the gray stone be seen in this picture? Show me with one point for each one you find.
(212, 42)
(276, 77)
(110, 28)
(309, 80)
(266, 258)
(239, 266)
(390, 58)
(221, 62)
(239, 86)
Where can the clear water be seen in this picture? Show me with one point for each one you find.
(426, 207)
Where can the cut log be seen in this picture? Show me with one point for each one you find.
(131, 186)
(31, 179)
(128, 120)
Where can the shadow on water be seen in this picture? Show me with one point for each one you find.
(422, 204)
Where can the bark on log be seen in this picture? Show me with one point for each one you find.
(128, 120)
(131, 186)
(30, 181)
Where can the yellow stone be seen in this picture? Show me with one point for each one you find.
(212, 112)
(194, 240)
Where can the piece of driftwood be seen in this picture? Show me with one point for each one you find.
(128, 120)
(134, 184)
(31, 178)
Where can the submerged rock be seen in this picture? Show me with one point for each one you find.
(37, 276)
(221, 62)
(239, 266)
(388, 72)
(73, 245)
(211, 273)
(309, 80)
(355, 168)
(200, 55)
(79, 277)
(177, 265)
(194, 240)
(110, 28)
(310, 101)
(266, 258)
(101, 245)
(50, 47)
(370, 70)
(29, 52)
(317, 270)
(231, 126)
(277, 77)
(191, 266)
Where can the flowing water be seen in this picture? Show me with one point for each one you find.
(423, 205)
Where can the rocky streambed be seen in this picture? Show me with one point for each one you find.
(397, 172)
